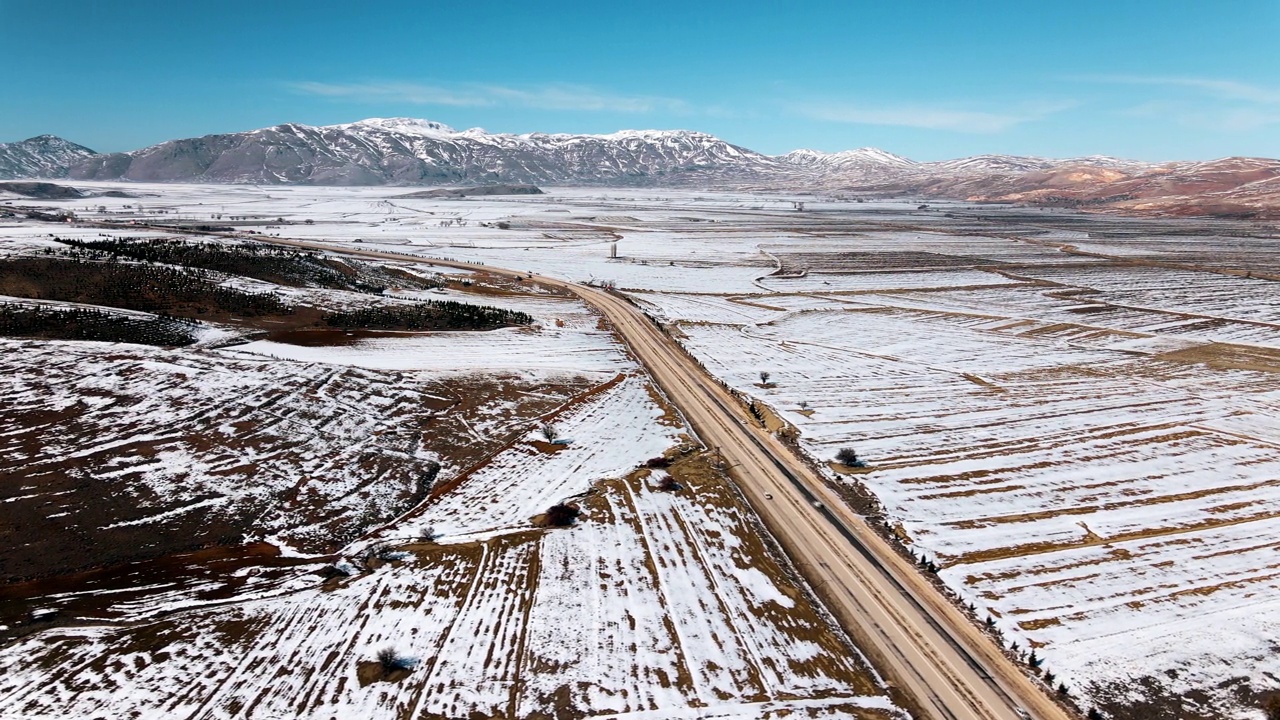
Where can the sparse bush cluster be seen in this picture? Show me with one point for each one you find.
(149, 288)
(427, 315)
(90, 324)
(282, 266)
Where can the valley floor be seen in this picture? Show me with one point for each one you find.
(1071, 417)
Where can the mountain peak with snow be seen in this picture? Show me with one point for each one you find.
(43, 156)
(866, 154)
(402, 125)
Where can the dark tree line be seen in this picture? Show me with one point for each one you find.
(177, 292)
(149, 288)
(90, 324)
(427, 315)
(282, 266)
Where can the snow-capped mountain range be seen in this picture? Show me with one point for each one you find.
(406, 151)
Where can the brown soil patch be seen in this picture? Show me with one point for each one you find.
(847, 469)
(1223, 356)
(771, 420)
(96, 593)
(1039, 624)
(369, 672)
(547, 448)
(983, 382)
(492, 284)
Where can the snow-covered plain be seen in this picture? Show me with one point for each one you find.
(1086, 446)
(1110, 506)
(652, 605)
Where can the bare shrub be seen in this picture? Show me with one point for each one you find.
(847, 456)
(562, 515)
(549, 432)
(391, 660)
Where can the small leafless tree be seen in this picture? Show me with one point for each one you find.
(764, 377)
(804, 404)
(549, 432)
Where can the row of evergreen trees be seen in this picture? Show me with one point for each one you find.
(427, 315)
(179, 292)
(149, 288)
(91, 324)
(282, 266)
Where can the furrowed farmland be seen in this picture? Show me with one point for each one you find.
(1068, 421)
(287, 518)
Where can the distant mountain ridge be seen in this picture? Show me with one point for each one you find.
(43, 156)
(408, 151)
(405, 151)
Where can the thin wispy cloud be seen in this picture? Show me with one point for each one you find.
(929, 118)
(1216, 104)
(556, 96)
(1216, 87)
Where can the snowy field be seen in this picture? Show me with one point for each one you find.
(653, 605)
(1084, 443)
(1106, 498)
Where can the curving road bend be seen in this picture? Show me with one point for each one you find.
(912, 634)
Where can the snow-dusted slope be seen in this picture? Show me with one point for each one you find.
(863, 164)
(44, 156)
(408, 151)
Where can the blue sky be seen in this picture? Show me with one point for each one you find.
(929, 80)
